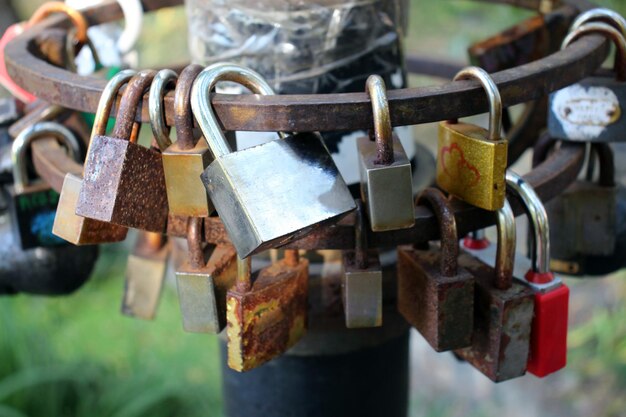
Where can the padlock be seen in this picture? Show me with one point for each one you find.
(123, 181)
(435, 294)
(600, 14)
(33, 206)
(203, 281)
(386, 178)
(266, 314)
(471, 161)
(362, 280)
(587, 231)
(548, 337)
(591, 110)
(503, 309)
(67, 224)
(295, 174)
(145, 273)
(186, 159)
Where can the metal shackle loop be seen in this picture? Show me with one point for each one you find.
(383, 131)
(505, 251)
(361, 258)
(125, 125)
(70, 50)
(156, 109)
(493, 95)
(183, 115)
(243, 283)
(440, 205)
(538, 220)
(201, 99)
(27, 136)
(609, 32)
(107, 100)
(194, 242)
(607, 163)
(600, 14)
(77, 18)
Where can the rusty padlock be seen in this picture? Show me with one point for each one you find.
(67, 224)
(503, 309)
(435, 294)
(187, 158)
(386, 178)
(266, 314)
(295, 173)
(33, 206)
(124, 182)
(362, 280)
(203, 281)
(145, 274)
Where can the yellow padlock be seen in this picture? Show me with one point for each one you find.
(471, 161)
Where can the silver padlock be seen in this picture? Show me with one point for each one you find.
(592, 109)
(269, 194)
(386, 179)
(362, 280)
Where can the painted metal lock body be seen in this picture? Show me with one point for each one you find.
(385, 169)
(471, 161)
(123, 181)
(592, 109)
(503, 309)
(296, 174)
(435, 294)
(362, 281)
(68, 225)
(203, 282)
(548, 339)
(33, 206)
(267, 313)
(145, 274)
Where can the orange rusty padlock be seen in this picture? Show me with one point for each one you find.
(124, 182)
(266, 314)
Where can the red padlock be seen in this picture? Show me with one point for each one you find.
(6, 81)
(548, 338)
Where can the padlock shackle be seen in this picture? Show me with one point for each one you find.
(107, 100)
(538, 220)
(201, 100)
(361, 258)
(609, 32)
(183, 115)
(72, 50)
(292, 257)
(505, 251)
(125, 125)
(194, 242)
(78, 20)
(156, 109)
(440, 205)
(32, 133)
(243, 282)
(493, 95)
(600, 14)
(383, 131)
(607, 164)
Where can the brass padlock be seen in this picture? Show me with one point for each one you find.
(266, 314)
(187, 158)
(362, 280)
(203, 281)
(435, 294)
(33, 206)
(145, 274)
(295, 173)
(67, 224)
(471, 161)
(503, 309)
(124, 182)
(386, 178)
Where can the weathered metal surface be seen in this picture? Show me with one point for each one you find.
(318, 112)
(435, 294)
(269, 317)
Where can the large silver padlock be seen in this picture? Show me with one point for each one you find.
(269, 194)
(592, 109)
(386, 179)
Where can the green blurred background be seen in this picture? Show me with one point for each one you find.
(78, 356)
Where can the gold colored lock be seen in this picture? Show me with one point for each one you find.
(471, 161)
